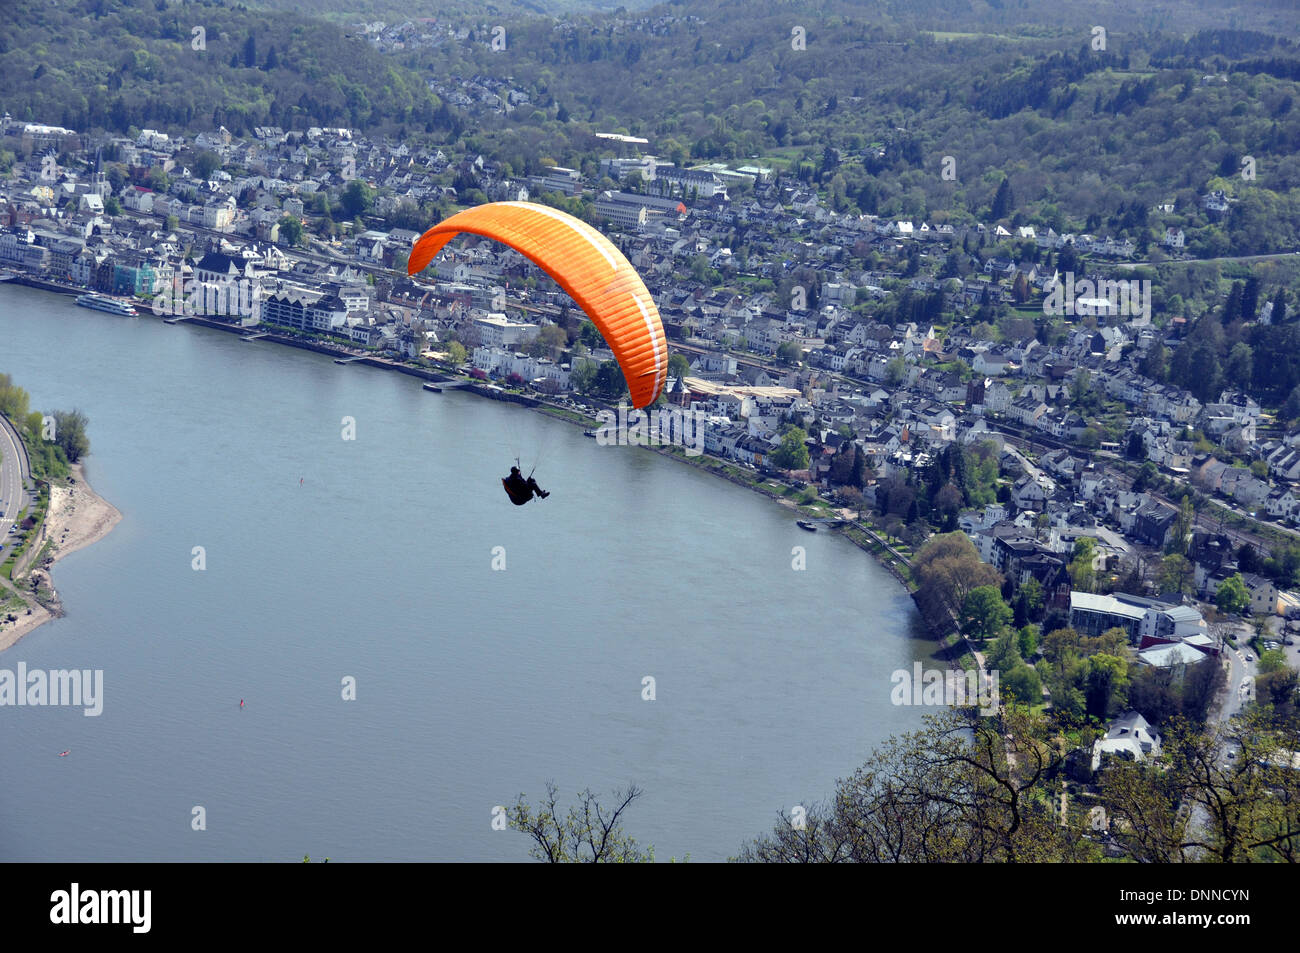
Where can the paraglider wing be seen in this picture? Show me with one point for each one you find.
(587, 266)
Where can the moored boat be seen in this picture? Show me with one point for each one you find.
(105, 303)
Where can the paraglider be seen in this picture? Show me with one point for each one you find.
(585, 264)
(521, 489)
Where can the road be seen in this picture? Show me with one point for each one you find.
(15, 476)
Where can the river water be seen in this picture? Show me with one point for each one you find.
(473, 684)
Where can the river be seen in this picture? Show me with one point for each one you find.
(372, 559)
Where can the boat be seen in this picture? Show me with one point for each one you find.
(431, 386)
(7, 276)
(105, 303)
(807, 524)
(589, 433)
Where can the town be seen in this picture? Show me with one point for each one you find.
(905, 380)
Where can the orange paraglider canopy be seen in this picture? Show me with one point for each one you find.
(584, 263)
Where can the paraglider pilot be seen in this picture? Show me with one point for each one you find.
(521, 490)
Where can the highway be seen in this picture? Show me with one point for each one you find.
(14, 476)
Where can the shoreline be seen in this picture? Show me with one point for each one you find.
(78, 517)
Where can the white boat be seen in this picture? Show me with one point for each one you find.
(105, 303)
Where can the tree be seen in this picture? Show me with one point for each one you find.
(957, 791)
(1176, 574)
(678, 366)
(983, 613)
(547, 342)
(583, 376)
(947, 503)
(1198, 805)
(895, 371)
(1083, 576)
(205, 163)
(1004, 654)
(1027, 641)
(456, 353)
(789, 352)
(1272, 660)
(1232, 594)
(290, 230)
(792, 454)
(1239, 370)
(356, 198)
(588, 833)
(1022, 682)
(1004, 201)
(1105, 684)
(609, 381)
(1182, 527)
(70, 434)
(946, 568)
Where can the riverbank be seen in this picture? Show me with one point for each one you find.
(78, 517)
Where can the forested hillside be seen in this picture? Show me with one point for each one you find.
(108, 64)
(1090, 138)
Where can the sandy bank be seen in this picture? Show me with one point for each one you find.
(78, 516)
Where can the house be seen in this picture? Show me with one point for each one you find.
(1263, 594)
(1028, 494)
(1153, 523)
(1026, 409)
(1130, 736)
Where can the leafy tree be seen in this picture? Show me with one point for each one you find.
(946, 568)
(290, 230)
(582, 377)
(456, 353)
(1027, 641)
(1176, 574)
(1105, 684)
(1083, 576)
(789, 352)
(792, 454)
(1182, 528)
(1004, 654)
(678, 366)
(1272, 660)
(1232, 594)
(1023, 683)
(983, 613)
(356, 198)
(609, 381)
(205, 163)
(70, 434)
